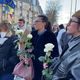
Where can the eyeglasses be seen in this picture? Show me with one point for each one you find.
(38, 21)
(74, 21)
(71, 20)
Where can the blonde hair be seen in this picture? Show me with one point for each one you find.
(6, 25)
(76, 14)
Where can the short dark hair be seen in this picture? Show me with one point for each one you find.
(22, 20)
(43, 18)
(61, 26)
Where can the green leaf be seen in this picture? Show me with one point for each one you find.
(42, 58)
(47, 73)
(28, 45)
(32, 56)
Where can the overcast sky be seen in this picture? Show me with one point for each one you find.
(43, 4)
(64, 15)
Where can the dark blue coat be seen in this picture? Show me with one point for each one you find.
(8, 55)
(39, 42)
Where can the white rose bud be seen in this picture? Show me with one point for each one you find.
(45, 50)
(29, 36)
(49, 47)
(19, 31)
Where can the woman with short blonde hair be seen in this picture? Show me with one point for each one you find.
(8, 51)
(67, 67)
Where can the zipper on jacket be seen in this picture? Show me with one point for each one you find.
(3, 65)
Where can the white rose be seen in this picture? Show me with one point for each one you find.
(19, 31)
(48, 47)
(29, 36)
(45, 50)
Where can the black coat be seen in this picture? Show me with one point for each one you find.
(8, 55)
(39, 42)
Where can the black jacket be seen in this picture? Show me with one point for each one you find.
(8, 55)
(39, 42)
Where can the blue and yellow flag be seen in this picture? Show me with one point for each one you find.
(1, 1)
(8, 2)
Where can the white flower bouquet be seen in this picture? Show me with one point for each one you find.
(24, 45)
(24, 69)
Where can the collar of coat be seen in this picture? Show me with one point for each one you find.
(73, 42)
(2, 40)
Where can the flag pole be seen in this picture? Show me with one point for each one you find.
(71, 9)
(75, 5)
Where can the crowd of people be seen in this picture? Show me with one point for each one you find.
(65, 54)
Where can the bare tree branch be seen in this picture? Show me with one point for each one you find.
(52, 9)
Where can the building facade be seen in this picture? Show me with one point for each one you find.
(28, 9)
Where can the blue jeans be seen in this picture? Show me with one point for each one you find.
(6, 77)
